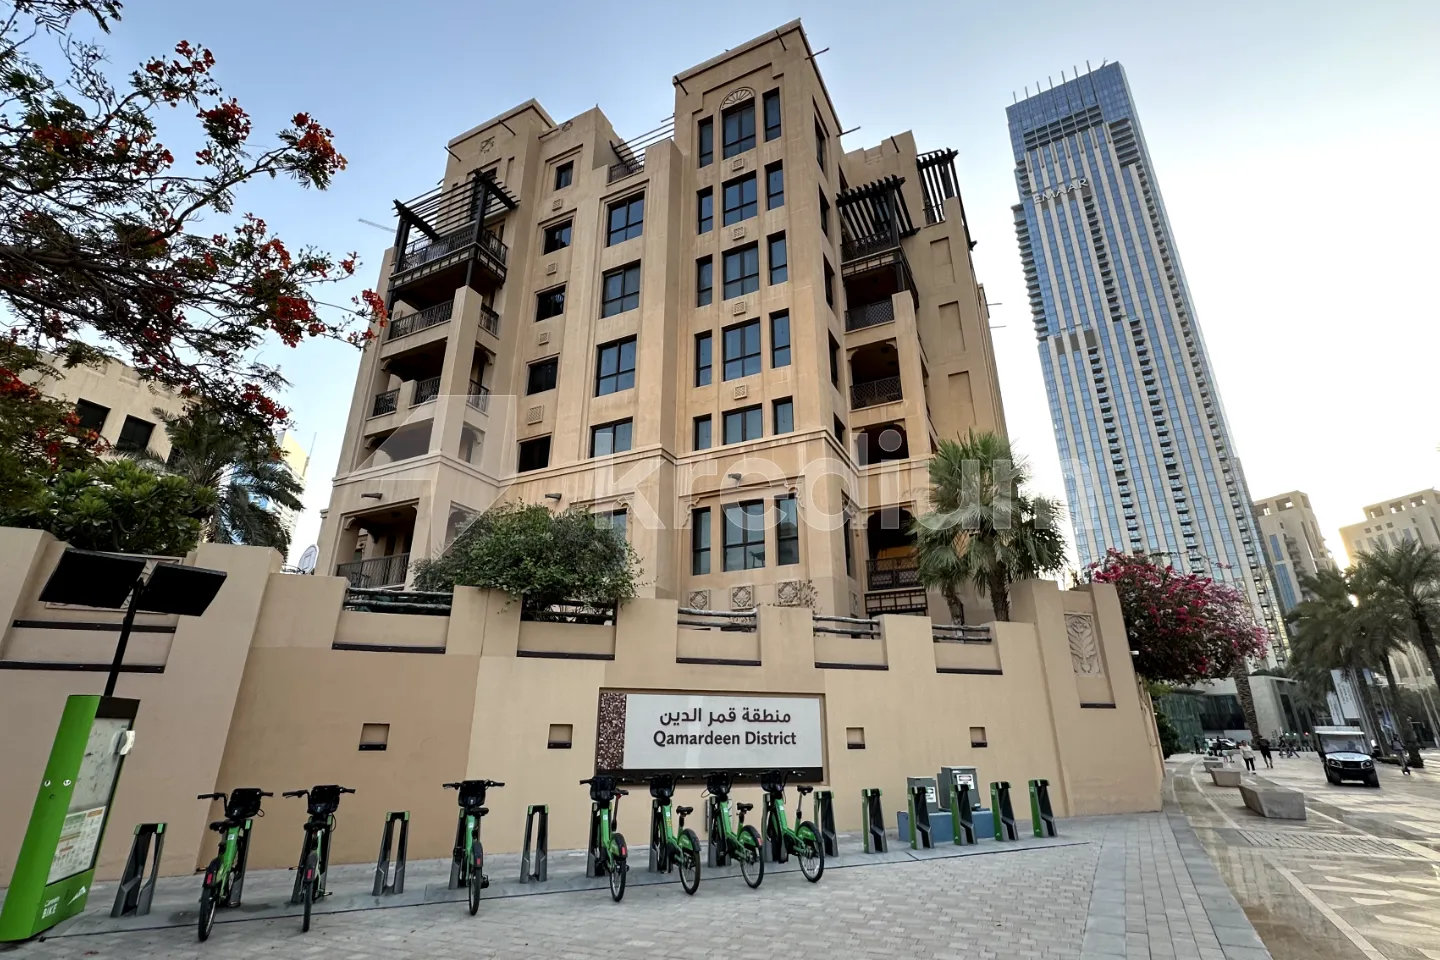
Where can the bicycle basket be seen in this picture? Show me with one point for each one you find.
(324, 800)
(244, 803)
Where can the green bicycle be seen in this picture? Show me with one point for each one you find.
(671, 848)
(606, 845)
(314, 865)
(804, 841)
(469, 867)
(225, 875)
(743, 843)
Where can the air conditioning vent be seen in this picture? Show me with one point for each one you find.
(738, 307)
(535, 414)
(550, 268)
(741, 391)
(542, 337)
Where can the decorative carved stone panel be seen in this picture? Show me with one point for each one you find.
(788, 593)
(737, 95)
(698, 600)
(1084, 650)
(742, 598)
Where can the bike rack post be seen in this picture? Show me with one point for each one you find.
(718, 856)
(774, 841)
(593, 866)
(1001, 812)
(825, 822)
(1042, 817)
(962, 814)
(535, 867)
(657, 837)
(382, 864)
(300, 870)
(241, 861)
(872, 817)
(457, 874)
(920, 836)
(133, 896)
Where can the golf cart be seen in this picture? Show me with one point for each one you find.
(1344, 754)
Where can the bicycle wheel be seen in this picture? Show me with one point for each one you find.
(477, 875)
(689, 861)
(752, 860)
(619, 867)
(307, 892)
(810, 851)
(207, 912)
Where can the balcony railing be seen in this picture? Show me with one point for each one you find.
(869, 315)
(625, 168)
(868, 246)
(385, 403)
(415, 322)
(479, 397)
(376, 572)
(425, 250)
(425, 391)
(489, 321)
(892, 573)
(874, 393)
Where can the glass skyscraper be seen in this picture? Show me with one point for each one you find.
(1144, 443)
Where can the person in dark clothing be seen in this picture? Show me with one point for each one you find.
(1264, 746)
(1404, 756)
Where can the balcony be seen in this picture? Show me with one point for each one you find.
(870, 315)
(423, 320)
(425, 391)
(376, 572)
(893, 573)
(479, 397)
(385, 403)
(489, 321)
(875, 392)
(458, 244)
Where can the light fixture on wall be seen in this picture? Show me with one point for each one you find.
(372, 496)
(736, 477)
(554, 496)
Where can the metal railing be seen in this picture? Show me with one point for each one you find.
(415, 322)
(847, 626)
(875, 392)
(479, 397)
(960, 633)
(376, 572)
(869, 315)
(425, 391)
(489, 321)
(734, 621)
(423, 251)
(892, 573)
(382, 600)
(625, 168)
(385, 403)
(910, 603)
(568, 611)
(868, 246)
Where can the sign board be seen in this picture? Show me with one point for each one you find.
(1349, 703)
(640, 734)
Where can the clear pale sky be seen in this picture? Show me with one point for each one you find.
(1295, 144)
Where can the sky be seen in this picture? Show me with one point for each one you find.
(1294, 141)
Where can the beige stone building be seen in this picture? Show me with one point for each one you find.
(729, 334)
(112, 400)
(1290, 536)
(1415, 516)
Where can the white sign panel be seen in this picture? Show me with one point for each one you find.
(1349, 703)
(704, 733)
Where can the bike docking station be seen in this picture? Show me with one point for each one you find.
(825, 822)
(872, 818)
(535, 865)
(594, 862)
(1001, 811)
(717, 854)
(772, 840)
(383, 867)
(1042, 817)
(921, 796)
(962, 815)
(134, 893)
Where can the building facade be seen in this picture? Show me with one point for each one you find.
(1142, 435)
(1415, 516)
(727, 334)
(112, 400)
(1290, 536)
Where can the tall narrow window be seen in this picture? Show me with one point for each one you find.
(564, 174)
(787, 531)
(742, 350)
(740, 202)
(774, 186)
(745, 535)
(785, 416)
(706, 216)
(819, 144)
(742, 271)
(780, 339)
(627, 220)
(849, 550)
(779, 262)
(704, 359)
(772, 114)
(615, 367)
(829, 284)
(707, 141)
(834, 361)
(824, 214)
(702, 433)
(620, 290)
(739, 128)
(704, 281)
(700, 542)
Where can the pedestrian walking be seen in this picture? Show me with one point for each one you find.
(1400, 752)
(1264, 744)
(1248, 755)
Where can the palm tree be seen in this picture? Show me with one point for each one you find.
(1408, 574)
(1329, 635)
(985, 530)
(1383, 627)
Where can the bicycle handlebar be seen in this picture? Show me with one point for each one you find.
(266, 793)
(449, 786)
(211, 796)
(347, 789)
(294, 793)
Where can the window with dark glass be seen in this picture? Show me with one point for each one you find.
(134, 435)
(702, 433)
(787, 531)
(742, 349)
(829, 284)
(707, 141)
(550, 303)
(820, 144)
(824, 214)
(834, 361)
(849, 551)
(92, 416)
(747, 423)
(700, 541)
(739, 125)
(772, 114)
(704, 359)
(557, 237)
(612, 520)
(534, 455)
(610, 438)
(627, 219)
(615, 367)
(740, 203)
(774, 186)
(704, 281)
(742, 271)
(745, 535)
(543, 375)
(784, 416)
(564, 174)
(780, 339)
(706, 215)
(779, 262)
(839, 430)
(621, 290)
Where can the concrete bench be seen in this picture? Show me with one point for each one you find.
(1225, 777)
(1278, 803)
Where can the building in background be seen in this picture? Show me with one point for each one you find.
(728, 335)
(1290, 536)
(1415, 516)
(112, 400)
(1143, 438)
(297, 459)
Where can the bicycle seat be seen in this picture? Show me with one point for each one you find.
(803, 790)
(744, 807)
(662, 786)
(220, 826)
(684, 811)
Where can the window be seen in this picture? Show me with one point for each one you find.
(780, 339)
(610, 438)
(704, 281)
(550, 303)
(134, 435)
(839, 429)
(787, 532)
(784, 416)
(742, 350)
(774, 186)
(854, 738)
(612, 520)
(740, 201)
(820, 144)
(745, 535)
(834, 361)
(621, 290)
(534, 455)
(706, 217)
(560, 736)
(92, 416)
(779, 263)
(829, 284)
(564, 174)
(700, 542)
(772, 114)
(707, 141)
(742, 271)
(704, 359)
(847, 533)
(542, 375)
(744, 424)
(374, 736)
(615, 367)
(557, 237)
(739, 128)
(702, 433)
(978, 738)
(627, 217)
(824, 214)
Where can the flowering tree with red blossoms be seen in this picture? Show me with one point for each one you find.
(103, 237)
